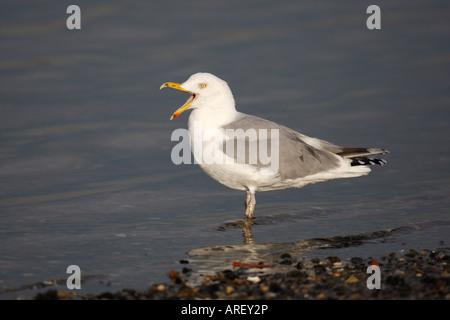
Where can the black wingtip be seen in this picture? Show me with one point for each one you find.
(364, 161)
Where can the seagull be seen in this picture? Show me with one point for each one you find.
(225, 143)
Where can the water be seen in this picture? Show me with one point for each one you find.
(85, 170)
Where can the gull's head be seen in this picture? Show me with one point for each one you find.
(206, 90)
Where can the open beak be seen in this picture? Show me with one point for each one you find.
(187, 104)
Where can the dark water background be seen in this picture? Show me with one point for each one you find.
(86, 176)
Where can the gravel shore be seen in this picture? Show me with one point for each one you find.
(423, 275)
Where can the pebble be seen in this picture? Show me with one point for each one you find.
(229, 290)
(355, 296)
(254, 279)
(351, 280)
(264, 288)
(412, 253)
(333, 260)
(160, 287)
(356, 260)
(404, 275)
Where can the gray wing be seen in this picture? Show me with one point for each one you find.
(296, 157)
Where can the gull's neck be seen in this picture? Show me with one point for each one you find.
(214, 115)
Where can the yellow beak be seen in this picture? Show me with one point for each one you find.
(187, 104)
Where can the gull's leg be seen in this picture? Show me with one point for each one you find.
(247, 231)
(250, 203)
(247, 200)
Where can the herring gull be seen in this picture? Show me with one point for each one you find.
(245, 152)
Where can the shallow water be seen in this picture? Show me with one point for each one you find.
(86, 176)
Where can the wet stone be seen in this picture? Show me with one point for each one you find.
(295, 274)
(315, 260)
(412, 253)
(186, 270)
(332, 260)
(229, 274)
(352, 280)
(356, 260)
(320, 269)
(49, 295)
(275, 287)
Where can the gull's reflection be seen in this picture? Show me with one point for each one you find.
(246, 227)
(268, 257)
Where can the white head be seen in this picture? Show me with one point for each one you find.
(207, 92)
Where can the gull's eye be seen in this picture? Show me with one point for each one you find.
(203, 85)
